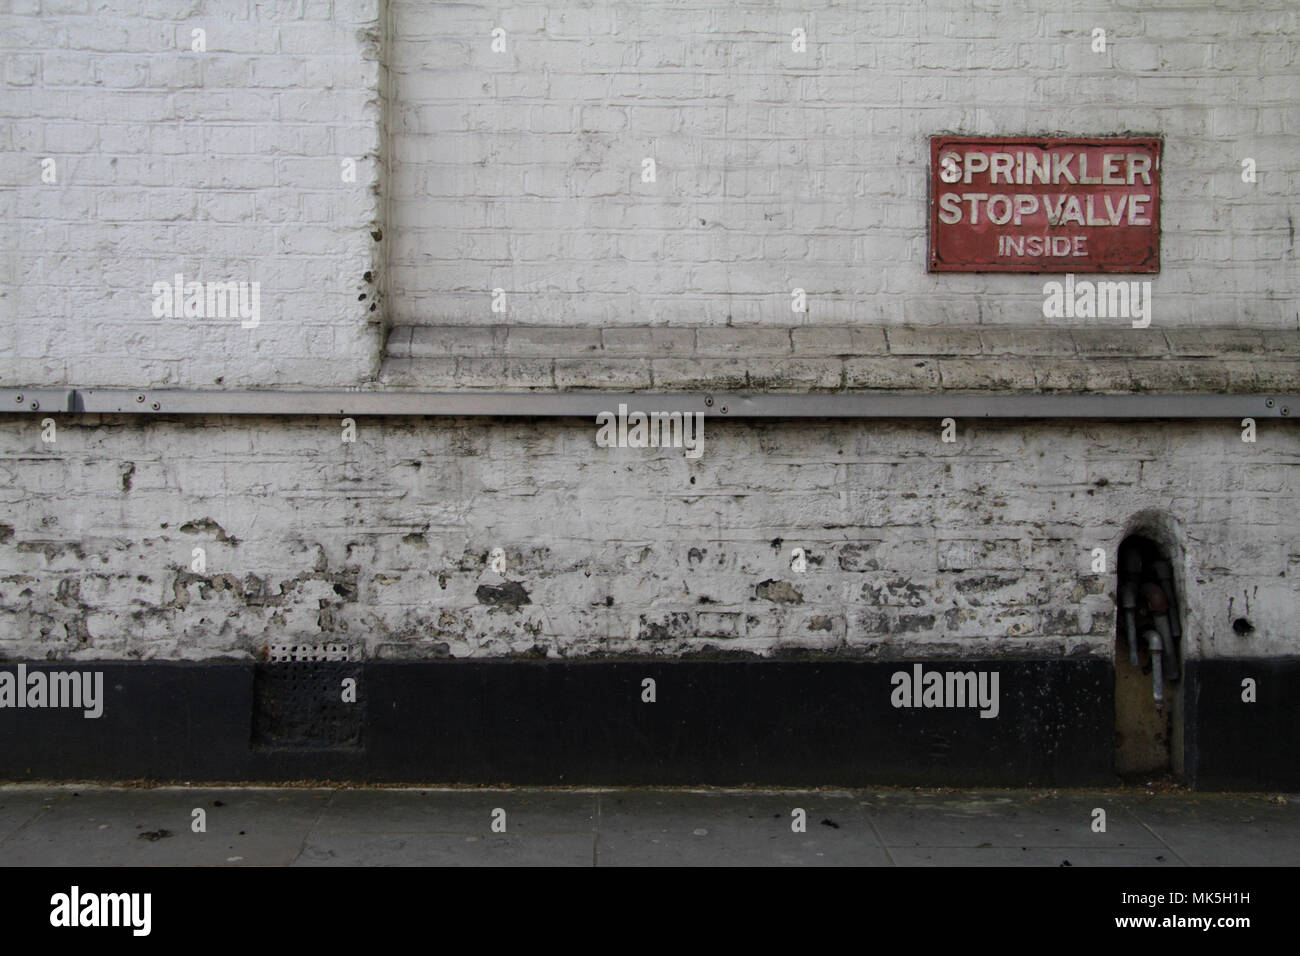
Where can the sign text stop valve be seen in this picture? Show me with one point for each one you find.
(1020, 204)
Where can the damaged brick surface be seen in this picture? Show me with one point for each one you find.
(913, 546)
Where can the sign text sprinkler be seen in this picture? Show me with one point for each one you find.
(1007, 204)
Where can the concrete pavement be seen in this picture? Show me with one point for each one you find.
(91, 825)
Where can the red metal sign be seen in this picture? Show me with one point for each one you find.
(1020, 204)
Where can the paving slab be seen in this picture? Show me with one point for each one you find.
(639, 828)
(976, 819)
(1220, 830)
(114, 827)
(93, 825)
(328, 847)
(1034, 856)
(467, 812)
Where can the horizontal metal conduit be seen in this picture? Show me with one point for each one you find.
(277, 402)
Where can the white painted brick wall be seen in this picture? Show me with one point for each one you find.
(521, 170)
(915, 546)
(220, 165)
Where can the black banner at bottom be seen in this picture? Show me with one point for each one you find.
(340, 907)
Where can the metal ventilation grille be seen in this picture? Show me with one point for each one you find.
(298, 697)
(277, 653)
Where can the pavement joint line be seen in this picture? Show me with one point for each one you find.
(44, 809)
(312, 827)
(10, 834)
(871, 822)
(595, 843)
(1132, 811)
(1163, 842)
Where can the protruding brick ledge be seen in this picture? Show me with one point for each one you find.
(834, 359)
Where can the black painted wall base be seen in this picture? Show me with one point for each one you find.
(779, 723)
(1233, 744)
